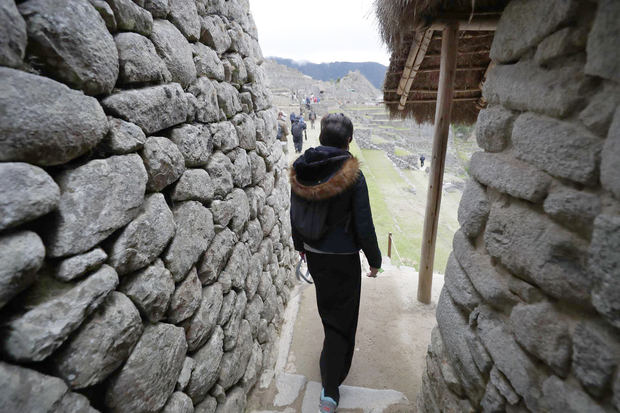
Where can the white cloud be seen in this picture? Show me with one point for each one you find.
(319, 30)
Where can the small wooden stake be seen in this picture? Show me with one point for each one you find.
(440, 144)
(390, 245)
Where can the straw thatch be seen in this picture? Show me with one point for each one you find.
(400, 21)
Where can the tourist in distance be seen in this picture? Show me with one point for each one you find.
(331, 221)
(312, 118)
(283, 131)
(422, 159)
(297, 129)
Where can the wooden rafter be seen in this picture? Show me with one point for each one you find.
(408, 78)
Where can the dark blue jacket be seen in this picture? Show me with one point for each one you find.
(327, 173)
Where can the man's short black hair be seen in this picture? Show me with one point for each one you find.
(336, 130)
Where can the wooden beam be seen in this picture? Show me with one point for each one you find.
(432, 90)
(413, 51)
(472, 99)
(443, 113)
(437, 69)
(475, 23)
(420, 53)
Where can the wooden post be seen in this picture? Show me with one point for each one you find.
(440, 144)
(390, 245)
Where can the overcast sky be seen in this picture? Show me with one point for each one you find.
(319, 31)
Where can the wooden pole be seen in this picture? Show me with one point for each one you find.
(390, 245)
(440, 144)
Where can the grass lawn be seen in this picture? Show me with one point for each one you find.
(377, 140)
(401, 152)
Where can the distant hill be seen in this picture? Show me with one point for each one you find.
(372, 71)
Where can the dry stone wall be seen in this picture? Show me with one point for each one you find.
(529, 317)
(145, 243)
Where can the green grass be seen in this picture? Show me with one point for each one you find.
(401, 152)
(377, 140)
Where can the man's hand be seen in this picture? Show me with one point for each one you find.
(373, 272)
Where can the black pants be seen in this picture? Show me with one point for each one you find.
(298, 142)
(338, 282)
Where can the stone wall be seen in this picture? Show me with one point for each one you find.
(144, 235)
(529, 317)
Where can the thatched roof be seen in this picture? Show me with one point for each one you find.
(404, 27)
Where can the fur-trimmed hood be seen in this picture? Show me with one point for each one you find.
(323, 172)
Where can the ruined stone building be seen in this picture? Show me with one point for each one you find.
(145, 253)
(529, 316)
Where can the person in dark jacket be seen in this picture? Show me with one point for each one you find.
(297, 129)
(329, 174)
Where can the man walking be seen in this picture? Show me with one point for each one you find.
(283, 131)
(297, 129)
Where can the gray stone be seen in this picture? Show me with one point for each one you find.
(252, 313)
(256, 198)
(220, 171)
(228, 99)
(225, 136)
(101, 344)
(253, 234)
(144, 239)
(269, 117)
(228, 305)
(603, 39)
(235, 362)
(242, 171)
(152, 108)
(192, 107)
(460, 288)
(148, 377)
(47, 322)
(473, 209)
(239, 74)
(186, 298)
(525, 377)
(139, 62)
(208, 405)
(164, 162)
(159, 9)
(216, 257)
(246, 130)
(575, 209)
(508, 175)
(44, 122)
(610, 178)
(564, 41)
(232, 326)
(131, 17)
(25, 390)
(491, 282)
(254, 368)
(493, 401)
(194, 142)
(206, 95)
(259, 168)
(479, 354)
(524, 23)
(453, 327)
(21, 254)
(557, 91)
(150, 290)
(543, 332)
(254, 274)
(74, 267)
(261, 96)
(96, 199)
(438, 361)
(175, 51)
(186, 373)
(207, 63)
(503, 386)
(238, 201)
(194, 233)
(539, 250)
(595, 356)
(12, 34)
(200, 326)
(123, 138)
(74, 403)
(561, 397)
(194, 185)
(72, 42)
(235, 401)
(616, 390)
(106, 13)
(493, 128)
(604, 265)
(267, 220)
(207, 368)
(178, 403)
(214, 34)
(184, 15)
(26, 192)
(563, 150)
(597, 116)
(526, 291)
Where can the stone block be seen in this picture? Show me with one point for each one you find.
(72, 42)
(524, 23)
(596, 351)
(473, 209)
(228, 99)
(604, 265)
(184, 15)
(13, 35)
(208, 405)
(526, 291)
(52, 313)
(460, 288)
(603, 59)
(21, 254)
(238, 74)
(106, 13)
(122, 138)
(233, 325)
(543, 332)
(235, 362)
(175, 51)
(39, 124)
(159, 9)
(152, 108)
(557, 91)
(186, 298)
(150, 290)
(254, 368)
(563, 42)
(220, 170)
(199, 327)
(75, 267)
(224, 136)
(493, 401)
(479, 353)
(616, 390)
(597, 116)
(261, 96)
(216, 257)
(178, 402)
(207, 367)
(214, 34)
(26, 192)
(130, 17)
(560, 148)
(509, 175)
(490, 282)
(493, 128)
(26, 390)
(194, 185)
(228, 305)
(101, 344)
(246, 131)
(208, 109)
(561, 397)
(259, 168)
(503, 386)
(572, 208)
(148, 377)
(539, 250)
(207, 62)
(186, 373)
(610, 178)
(139, 62)
(242, 171)
(164, 162)
(194, 142)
